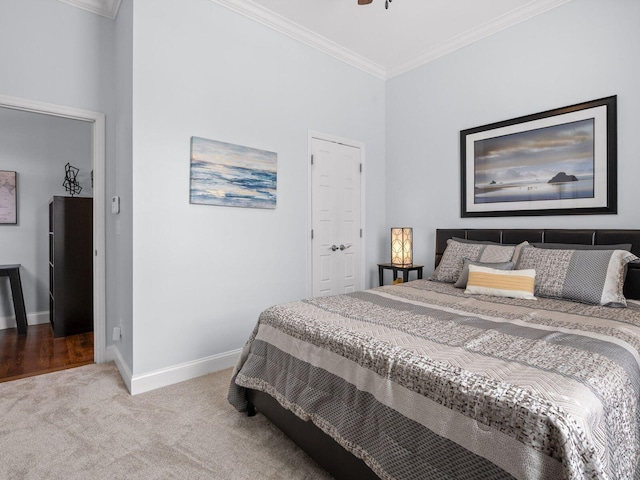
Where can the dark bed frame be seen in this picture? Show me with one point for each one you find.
(342, 464)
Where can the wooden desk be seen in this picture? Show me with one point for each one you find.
(13, 272)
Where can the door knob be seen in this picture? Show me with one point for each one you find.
(333, 248)
(342, 247)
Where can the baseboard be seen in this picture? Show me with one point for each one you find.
(35, 318)
(113, 354)
(179, 373)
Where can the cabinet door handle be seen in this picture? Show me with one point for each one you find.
(333, 248)
(343, 247)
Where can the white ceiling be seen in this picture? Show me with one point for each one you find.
(389, 42)
(382, 42)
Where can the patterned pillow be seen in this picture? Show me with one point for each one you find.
(477, 242)
(452, 261)
(500, 283)
(464, 275)
(518, 251)
(587, 276)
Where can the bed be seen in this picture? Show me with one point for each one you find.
(423, 380)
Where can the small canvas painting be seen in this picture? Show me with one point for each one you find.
(8, 198)
(232, 175)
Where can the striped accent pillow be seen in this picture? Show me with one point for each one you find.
(464, 276)
(501, 283)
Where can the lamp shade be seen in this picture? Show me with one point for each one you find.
(402, 246)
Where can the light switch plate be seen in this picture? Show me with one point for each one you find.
(115, 204)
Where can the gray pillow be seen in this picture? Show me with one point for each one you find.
(450, 265)
(516, 252)
(581, 246)
(587, 276)
(477, 242)
(464, 275)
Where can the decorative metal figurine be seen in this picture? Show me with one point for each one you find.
(71, 180)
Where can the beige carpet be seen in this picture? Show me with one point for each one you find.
(83, 424)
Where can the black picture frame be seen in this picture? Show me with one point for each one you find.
(513, 167)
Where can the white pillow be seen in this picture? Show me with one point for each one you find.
(501, 283)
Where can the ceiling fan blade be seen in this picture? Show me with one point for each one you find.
(364, 2)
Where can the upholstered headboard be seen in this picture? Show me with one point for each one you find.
(585, 237)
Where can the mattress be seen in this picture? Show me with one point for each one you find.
(420, 380)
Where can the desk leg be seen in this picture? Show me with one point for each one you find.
(419, 274)
(380, 275)
(405, 276)
(18, 301)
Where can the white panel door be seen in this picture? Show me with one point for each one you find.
(335, 211)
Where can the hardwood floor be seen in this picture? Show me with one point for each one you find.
(38, 352)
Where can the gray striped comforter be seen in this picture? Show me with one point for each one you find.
(424, 382)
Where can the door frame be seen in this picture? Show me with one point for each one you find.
(98, 138)
(350, 143)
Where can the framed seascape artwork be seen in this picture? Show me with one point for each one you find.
(559, 162)
(232, 175)
(8, 198)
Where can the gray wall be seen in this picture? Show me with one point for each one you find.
(37, 147)
(121, 231)
(583, 50)
(202, 70)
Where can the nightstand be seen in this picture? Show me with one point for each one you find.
(398, 268)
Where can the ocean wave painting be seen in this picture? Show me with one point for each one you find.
(232, 175)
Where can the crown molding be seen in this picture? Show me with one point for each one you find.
(530, 10)
(105, 8)
(283, 25)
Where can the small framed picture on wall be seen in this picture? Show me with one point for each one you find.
(8, 198)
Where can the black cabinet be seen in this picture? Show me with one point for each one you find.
(71, 265)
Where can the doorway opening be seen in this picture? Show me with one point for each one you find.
(96, 147)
